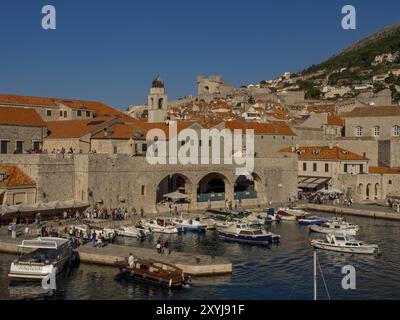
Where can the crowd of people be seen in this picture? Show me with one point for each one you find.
(325, 198)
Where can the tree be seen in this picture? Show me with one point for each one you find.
(313, 93)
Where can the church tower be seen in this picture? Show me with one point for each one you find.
(157, 102)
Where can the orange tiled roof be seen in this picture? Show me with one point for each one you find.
(74, 128)
(98, 108)
(324, 153)
(20, 117)
(14, 176)
(335, 120)
(261, 128)
(127, 130)
(384, 170)
(380, 111)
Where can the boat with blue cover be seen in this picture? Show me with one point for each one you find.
(245, 233)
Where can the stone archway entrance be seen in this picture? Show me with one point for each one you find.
(212, 187)
(172, 183)
(247, 187)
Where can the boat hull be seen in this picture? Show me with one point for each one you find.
(324, 230)
(263, 239)
(367, 249)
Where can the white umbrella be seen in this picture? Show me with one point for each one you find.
(175, 196)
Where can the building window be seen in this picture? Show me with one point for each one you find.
(79, 113)
(65, 114)
(361, 168)
(142, 190)
(4, 146)
(48, 113)
(88, 114)
(377, 131)
(359, 131)
(61, 113)
(390, 181)
(36, 145)
(314, 167)
(115, 149)
(304, 166)
(19, 147)
(144, 147)
(396, 131)
(326, 167)
(345, 168)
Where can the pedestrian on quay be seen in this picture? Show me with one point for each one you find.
(142, 212)
(167, 250)
(131, 260)
(158, 246)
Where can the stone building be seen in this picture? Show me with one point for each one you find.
(124, 181)
(319, 166)
(381, 122)
(157, 102)
(21, 130)
(16, 187)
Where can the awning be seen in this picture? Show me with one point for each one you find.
(312, 182)
(175, 196)
(40, 206)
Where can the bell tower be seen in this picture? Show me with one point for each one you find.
(157, 102)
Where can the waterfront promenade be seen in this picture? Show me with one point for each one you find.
(360, 210)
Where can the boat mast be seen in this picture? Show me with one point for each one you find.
(315, 274)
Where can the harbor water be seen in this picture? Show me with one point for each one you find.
(283, 271)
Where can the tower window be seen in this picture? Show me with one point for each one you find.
(160, 103)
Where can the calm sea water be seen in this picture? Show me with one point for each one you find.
(281, 271)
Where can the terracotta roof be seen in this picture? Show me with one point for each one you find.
(74, 128)
(98, 108)
(14, 176)
(334, 120)
(384, 170)
(360, 112)
(127, 130)
(323, 153)
(20, 117)
(260, 128)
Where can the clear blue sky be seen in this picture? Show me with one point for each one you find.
(111, 50)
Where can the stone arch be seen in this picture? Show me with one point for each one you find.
(248, 187)
(360, 191)
(160, 103)
(377, 190)
(368, 191)
(214, 186)
(174, 182)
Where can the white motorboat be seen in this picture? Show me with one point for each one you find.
(255, 219)
(133, 232)
(245, 233)
(155, 225)
(224, 224)
(210, 223)
(342, 243)
(297, 212)
(335, 226)
(49, 256)
(189, 224)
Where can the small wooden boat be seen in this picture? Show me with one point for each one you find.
(342, 243)
(153, 272)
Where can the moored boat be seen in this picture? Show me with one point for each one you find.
(49, 257)
(159, 226)
(189, 224)
(244, 233)
(343, 243)
(153, 272)
(311, 220)
(133, 232)
(332, 227)
(285, 216)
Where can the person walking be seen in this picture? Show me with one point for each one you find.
(158, 246)
(131, 260)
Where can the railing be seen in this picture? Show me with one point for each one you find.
(250, 194)
(204, 197)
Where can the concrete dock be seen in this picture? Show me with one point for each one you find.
(196, 265)
(360, 211)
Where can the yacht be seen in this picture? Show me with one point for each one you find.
(245, 233)
(189, 224)
(335, 226)
(343, 243)
(47, 256)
